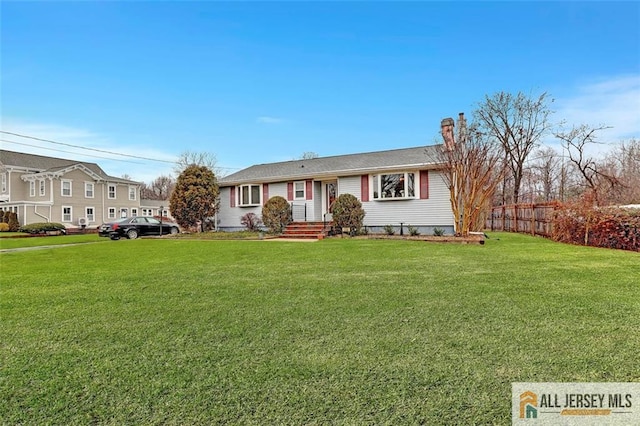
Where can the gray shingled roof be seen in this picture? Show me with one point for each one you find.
(340, 165)
(41, 163)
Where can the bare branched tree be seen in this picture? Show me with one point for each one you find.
(576, 142)
(547, 174)
(309, 155)
(623, 162)
(159, 189)
(518, 122)
(473, 167)
(189, 158)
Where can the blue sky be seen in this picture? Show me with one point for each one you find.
(255, 82)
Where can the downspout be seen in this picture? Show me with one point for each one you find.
(35, 211)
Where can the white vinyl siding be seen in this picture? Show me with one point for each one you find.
(434, 211)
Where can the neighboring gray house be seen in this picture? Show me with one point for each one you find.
(74, 193)
(396, 186)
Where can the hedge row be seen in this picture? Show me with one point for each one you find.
(42, 227)
(600, 227)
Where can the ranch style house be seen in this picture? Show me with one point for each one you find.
(399, 187)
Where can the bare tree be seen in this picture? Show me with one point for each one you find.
(309, 155)
(473, 168)
(159, 189)
(547, 174)
(597, 181)
(623, 162)
(518, 122)
(189, 158)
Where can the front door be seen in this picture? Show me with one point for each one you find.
(330, 193)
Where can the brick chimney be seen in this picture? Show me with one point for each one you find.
(446, 128)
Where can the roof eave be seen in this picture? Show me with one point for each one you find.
(332, 173)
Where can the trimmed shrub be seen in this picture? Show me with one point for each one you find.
(251, 221)
(348, 213)
(389, 230)
(438, 232)
(413, 231)
(4, 227)
(276, 214)
(14, 225)
(42, 227)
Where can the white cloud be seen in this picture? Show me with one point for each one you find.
(611, 102)
(269, 120)
(103, 150)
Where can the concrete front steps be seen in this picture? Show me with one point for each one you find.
(307, 230)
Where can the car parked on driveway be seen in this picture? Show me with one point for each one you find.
(137, 226)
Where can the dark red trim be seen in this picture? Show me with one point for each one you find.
(424, 184)
(364, 188)
(290, 191)
(309, 190)
(265, 193)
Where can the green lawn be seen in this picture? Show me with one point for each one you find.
(338, 331)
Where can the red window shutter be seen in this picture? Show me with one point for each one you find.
(364, 188)
(232, 196)
(309, 190)
(265, 193)
(290, 191)
(424, 184)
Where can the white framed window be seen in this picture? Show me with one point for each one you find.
(67, 213)
(43, 188)
(249, 195)
(111, 192)
(90, 214)
(111, 213)
(32, 188)
(4, 182)
(132, 193)
(394, 186)
(134, 212)
(88, 189)
(299, 190)
(65, 186)
(124, 212)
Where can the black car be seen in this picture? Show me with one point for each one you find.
(134, 227)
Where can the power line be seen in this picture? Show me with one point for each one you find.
(88, 149)
(92, 149)
(68, 152)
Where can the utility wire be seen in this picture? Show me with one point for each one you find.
(68, 152)
(92, 149)
(89, 149)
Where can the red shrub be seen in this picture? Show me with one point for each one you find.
(597, 226)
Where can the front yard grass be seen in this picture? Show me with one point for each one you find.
(342, 331)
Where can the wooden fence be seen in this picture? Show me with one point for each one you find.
(534, 219)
